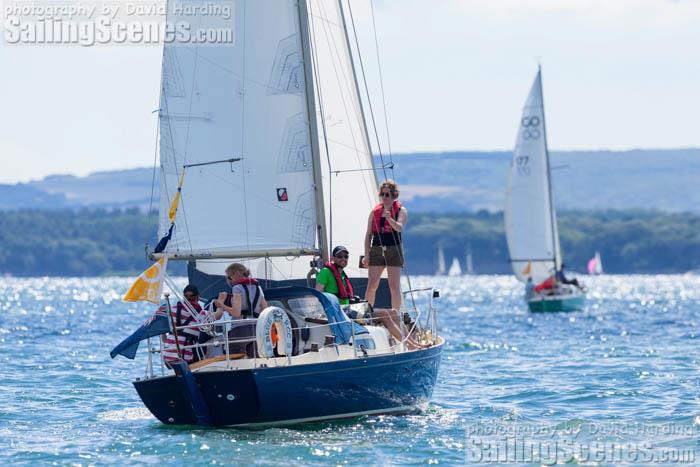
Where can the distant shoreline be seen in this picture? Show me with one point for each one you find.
(101, 243)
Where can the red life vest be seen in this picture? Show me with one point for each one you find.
(342, 292)
(246, 281)
(384, 227)
(546, 284)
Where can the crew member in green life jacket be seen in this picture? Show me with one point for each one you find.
(332, 279)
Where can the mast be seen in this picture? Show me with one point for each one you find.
(313, 124)
(549, 176)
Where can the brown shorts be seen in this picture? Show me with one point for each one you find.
(386, 256)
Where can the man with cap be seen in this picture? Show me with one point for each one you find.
(332, 279)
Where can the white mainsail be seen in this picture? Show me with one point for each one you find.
(530, 218)
(256, 100)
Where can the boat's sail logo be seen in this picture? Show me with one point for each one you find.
(282, 194)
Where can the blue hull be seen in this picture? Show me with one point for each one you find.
(300, 393)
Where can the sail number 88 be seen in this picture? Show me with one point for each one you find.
(530, 127)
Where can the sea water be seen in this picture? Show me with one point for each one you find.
(620, 378)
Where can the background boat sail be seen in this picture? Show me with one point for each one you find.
(264, 142)
(442, 267)
(530, 216)
(469, 262)
(595, 265)
(455, 268)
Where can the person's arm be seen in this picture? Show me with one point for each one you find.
(321, 280)
(263, 303)
(233, 310)
(368, 239)
(399, 224)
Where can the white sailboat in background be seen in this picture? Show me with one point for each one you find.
(455, 268)
(530, 217)
(441, 267)
(469, 263)
(595, 265)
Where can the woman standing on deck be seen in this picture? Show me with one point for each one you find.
(383, 248)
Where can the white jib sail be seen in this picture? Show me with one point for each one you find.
(530, 220)
(349, 183)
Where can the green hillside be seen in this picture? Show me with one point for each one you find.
(102, 242)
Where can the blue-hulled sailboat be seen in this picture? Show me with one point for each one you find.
(265, 142)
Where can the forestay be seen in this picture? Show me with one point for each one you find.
(250, 101)
(530, 219)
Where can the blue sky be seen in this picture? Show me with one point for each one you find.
(618, 74)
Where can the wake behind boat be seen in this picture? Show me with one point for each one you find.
(265, 159)
(530, 216)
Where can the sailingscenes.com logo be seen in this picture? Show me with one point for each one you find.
(119, 22)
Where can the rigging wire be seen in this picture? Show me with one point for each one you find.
(396, 235)
(381, 85)
(348, 85)
(364, 80)
(155, 163)
(243, 120)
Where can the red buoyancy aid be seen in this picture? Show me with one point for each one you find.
(377, 222)
(546, 284)
(342, 291)
(246, 281)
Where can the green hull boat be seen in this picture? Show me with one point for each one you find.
(556, 302)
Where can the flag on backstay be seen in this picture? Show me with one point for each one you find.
(149, 285)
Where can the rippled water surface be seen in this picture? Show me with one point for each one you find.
(631, 356)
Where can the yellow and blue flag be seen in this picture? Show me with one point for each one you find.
(171, 216)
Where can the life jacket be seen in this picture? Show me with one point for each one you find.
(383, 233)
(546, 284)
(343, 293)
(252, 304)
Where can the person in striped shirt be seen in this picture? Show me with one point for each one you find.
(184, 315)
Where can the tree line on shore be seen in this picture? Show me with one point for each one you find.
(97, 242)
